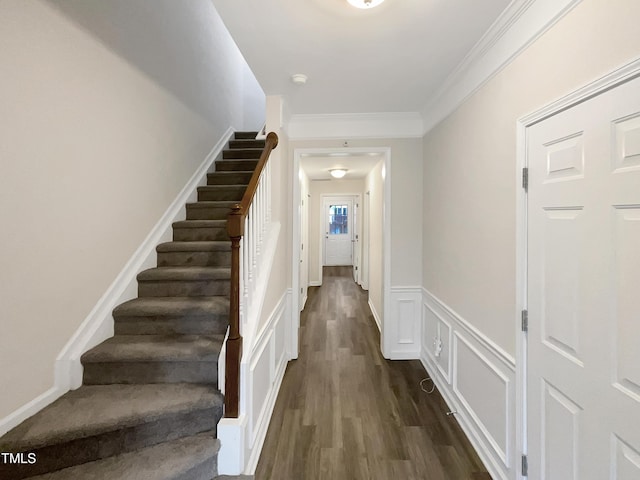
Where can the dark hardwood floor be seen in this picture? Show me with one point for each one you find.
(346, 413)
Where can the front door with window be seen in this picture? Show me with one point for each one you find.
(338, 230)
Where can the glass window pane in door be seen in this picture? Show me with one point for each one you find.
(338, 220)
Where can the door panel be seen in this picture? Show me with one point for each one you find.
(583, 379)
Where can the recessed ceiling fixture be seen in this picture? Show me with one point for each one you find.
(299, 78)
(365, 3)
(338, 172)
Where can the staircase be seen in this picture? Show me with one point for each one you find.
(149, 403)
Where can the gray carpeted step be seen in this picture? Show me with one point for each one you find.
(217, 253)
(96, 422)
(245, 135)
(247, 143)
(221, 192)
(229, 178)
(212, 210)
(200, 230)
(189, 458)
(191, 281)
(241, 165)
(238, 153)
(131, 359)
(172, 315)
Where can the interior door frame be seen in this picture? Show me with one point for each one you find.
(356, 199)
(611, 80)
(298, 153)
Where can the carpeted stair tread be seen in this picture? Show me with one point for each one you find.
(213, 203)
(200, 224)
(185, 273)
(172, 306)
(95, 409)
(156, 348)
(220, 245)
(189, 458)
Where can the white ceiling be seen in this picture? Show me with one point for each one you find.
(393, 58)
(317, 166)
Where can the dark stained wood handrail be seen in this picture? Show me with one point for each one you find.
(235, 228)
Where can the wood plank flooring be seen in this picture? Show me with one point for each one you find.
(346, 413)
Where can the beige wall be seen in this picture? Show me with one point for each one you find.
(317, 189)
(95, 142)
(470, 181)
(374, 184)
(406, 201)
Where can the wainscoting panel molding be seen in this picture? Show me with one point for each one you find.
(402, 330)
(477, 380)
(262, 371)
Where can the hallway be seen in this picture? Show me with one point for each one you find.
(346, 413)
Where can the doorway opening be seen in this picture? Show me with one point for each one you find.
(341, 222)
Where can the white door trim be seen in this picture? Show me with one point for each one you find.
(616, 77)
(298, 153)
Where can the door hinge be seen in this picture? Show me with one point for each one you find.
(525, 321)
(356, 268)
(525, 179)
(525, 466)
(301, 289)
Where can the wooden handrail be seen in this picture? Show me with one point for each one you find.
(235, 229)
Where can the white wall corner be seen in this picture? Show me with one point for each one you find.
(98, 325)
(356, 125)
(520, 25)
(404, 326)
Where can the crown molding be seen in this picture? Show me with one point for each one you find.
(520, 25)
(355, 125)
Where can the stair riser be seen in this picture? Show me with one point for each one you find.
(245, 135)
(200, 234)
(199, 212)
(229, 178)
(109, 373)
(76, 452)
(182, 288)
(172, 326)
(236, 165)
(212, 193)
(233, 144)
(241, 153)
(200, 259)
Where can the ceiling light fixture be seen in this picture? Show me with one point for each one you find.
(365, 3)
(299, 78)
(338, 172)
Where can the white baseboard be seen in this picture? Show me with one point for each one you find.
(315, 283)
(376, 317)
(98, 325)
(262, 370)
(477, 380)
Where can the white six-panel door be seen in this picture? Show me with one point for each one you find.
(583, 379)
